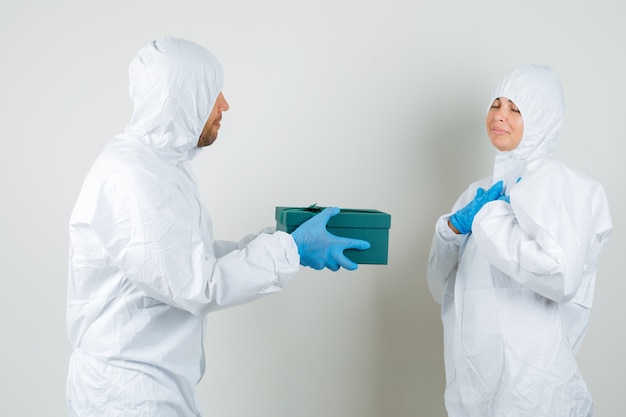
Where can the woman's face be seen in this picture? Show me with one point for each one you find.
(505, 126)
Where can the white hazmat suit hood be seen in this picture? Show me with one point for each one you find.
(517, 290)
(174, 84)
(536, 91)
(144, 269)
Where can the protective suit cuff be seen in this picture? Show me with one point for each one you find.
(445, 233)
(291, 249)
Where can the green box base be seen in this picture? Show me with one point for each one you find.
(370, 225)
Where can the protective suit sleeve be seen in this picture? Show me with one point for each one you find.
(550, 234)
(443, 258)
(148, 229)
(444, 251)
(223, 247)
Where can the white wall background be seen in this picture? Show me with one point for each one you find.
(355, 103)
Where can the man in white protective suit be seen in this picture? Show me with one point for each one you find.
(514, 265)
(144, 269)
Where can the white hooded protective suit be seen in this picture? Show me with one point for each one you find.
(516, 292)
(143, 267)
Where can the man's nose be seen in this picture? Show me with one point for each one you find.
(223, 104)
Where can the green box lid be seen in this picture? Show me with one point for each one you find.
(347, 217)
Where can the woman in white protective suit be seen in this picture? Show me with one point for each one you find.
(514, 265)
(143, 267)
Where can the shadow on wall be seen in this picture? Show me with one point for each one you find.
(410, 373)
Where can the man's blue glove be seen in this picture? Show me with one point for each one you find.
(462, 219)
(320, 249)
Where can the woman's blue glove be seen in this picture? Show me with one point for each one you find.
(462, 220)
(320, 249)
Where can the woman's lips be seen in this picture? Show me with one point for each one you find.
(499, 131)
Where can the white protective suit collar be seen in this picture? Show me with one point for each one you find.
(536, 90)
(174, 84)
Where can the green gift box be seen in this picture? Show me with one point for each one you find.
(370, 225)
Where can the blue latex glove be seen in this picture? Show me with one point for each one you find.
(506, 197)
(462, 220)
(320, 249)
